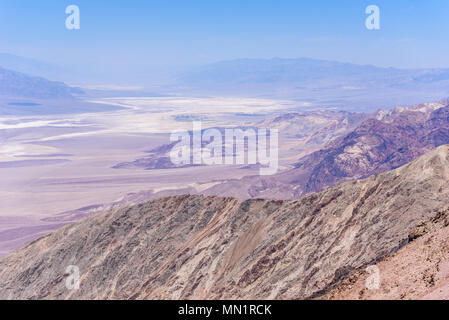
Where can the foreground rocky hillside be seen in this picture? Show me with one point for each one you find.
(419, 270)
(300, 133)
(378, 145)
(217, 248)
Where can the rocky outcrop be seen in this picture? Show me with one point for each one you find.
(218, 248)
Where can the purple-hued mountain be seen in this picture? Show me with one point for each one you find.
(385, 141)
(20, 85)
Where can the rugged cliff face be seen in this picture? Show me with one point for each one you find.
(216, 248)
(379, 144)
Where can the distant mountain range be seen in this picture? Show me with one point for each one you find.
(378, 145)
(320, 82)
(195, 247)
(91, 73)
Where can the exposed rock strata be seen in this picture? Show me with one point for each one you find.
(218, 248)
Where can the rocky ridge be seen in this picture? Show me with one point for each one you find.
(198, 247)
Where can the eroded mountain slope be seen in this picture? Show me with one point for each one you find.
(216, 248)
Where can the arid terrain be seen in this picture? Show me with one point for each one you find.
(419, 270)
(384, 141)
(216, 248)
(58, 171)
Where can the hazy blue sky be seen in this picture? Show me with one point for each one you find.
(414, 33)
